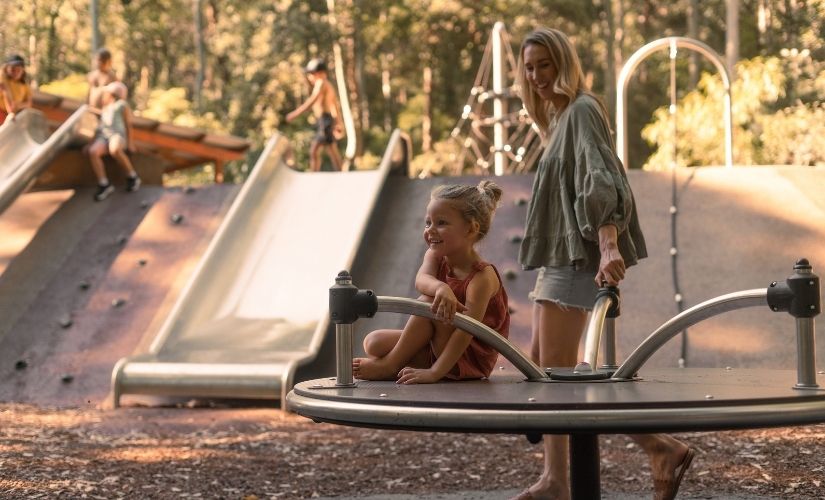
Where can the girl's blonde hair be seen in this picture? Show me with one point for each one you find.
(475, 203)
(569, 82)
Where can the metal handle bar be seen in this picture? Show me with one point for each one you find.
(697, 313)
(593, 336)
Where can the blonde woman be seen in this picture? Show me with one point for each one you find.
(582, 231)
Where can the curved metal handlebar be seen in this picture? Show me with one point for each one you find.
(593, 336)
(472, 326)
(697, 313)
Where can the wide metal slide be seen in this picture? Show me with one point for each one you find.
(26, 148)
(252, 313)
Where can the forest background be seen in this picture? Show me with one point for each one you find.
(235, 67)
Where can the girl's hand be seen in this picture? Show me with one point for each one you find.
(445, 304)
(611, 266)
(417, 376)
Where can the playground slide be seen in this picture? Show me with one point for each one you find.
(256, 307)
(25, 150)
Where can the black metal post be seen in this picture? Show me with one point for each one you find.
(584, 467)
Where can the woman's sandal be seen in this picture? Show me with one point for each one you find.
(667, 489)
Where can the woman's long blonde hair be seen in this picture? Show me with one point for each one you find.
(569, 82)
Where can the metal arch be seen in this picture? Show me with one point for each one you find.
(638, 57)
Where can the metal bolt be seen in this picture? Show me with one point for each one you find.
(177, 218)
(501, 368)
(775, 308)
(576, 371)
(84, 285)
(708, 396)
(118, 302)
(821, 372)
(728, 368)
(773, 283)
(532, 400)
(65, 321)
(811, 283)
(66, 378)
(673, 251)
(811, 307)
(144, 204)
(673, 209)
(382, 395)
(316, 386)
(142, 262)
(678, 297)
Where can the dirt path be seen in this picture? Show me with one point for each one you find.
(264, 453)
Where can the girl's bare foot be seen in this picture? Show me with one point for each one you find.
(373, 369)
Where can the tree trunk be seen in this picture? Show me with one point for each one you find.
(426, 119)
(52, 52)
(693, 32)
(201, 51)
(386, 91)
(732, 36)
(34, 57)
(609, 31)
(763, 23)
(353, 89)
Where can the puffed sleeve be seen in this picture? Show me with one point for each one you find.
(602, 192)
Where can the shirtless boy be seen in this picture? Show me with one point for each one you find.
(324, 104)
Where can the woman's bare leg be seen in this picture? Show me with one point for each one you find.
(559, 331)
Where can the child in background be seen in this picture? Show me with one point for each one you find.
(324, 104)
(454, 278)
(102, 75)
(113, 136)
(15, 93)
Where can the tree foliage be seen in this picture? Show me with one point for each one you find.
(254, 52)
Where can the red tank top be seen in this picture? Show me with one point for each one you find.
(479, 359)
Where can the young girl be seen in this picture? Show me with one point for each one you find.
(113, 136)
(454, 278)
(15, 93)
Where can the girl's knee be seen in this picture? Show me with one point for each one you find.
(379, 342)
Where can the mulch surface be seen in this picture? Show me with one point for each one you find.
(254, 453)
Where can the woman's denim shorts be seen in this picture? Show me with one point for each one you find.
(566, 287)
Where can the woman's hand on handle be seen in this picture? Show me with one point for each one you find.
(611, 263)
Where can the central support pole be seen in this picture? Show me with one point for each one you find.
(584, 467)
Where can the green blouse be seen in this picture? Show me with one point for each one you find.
(580, 185)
